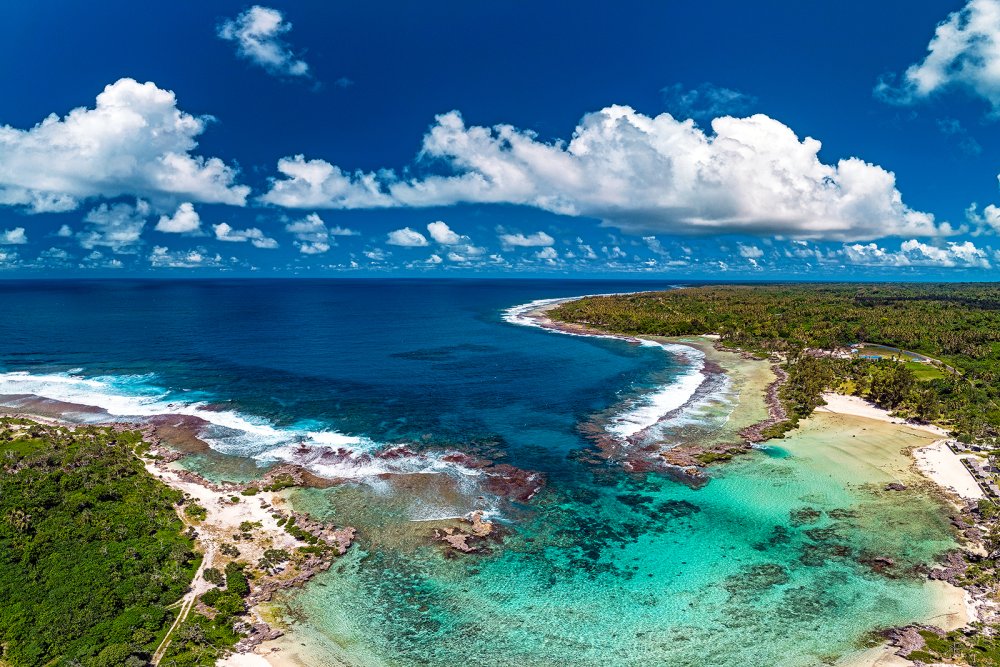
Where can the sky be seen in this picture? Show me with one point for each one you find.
(718, 140)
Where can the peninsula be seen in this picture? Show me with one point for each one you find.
(927, 355)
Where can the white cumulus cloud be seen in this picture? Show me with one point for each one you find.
(97, 260)
(530, 241)
(115, 226)
(548, 255)
(916, 253)
(319, 184)
(163, 257)
(407, 238)
(964, 53)
(185, 220)
(312, 236)
(16, 236)
(258, 33)
(135, 141)
(443, 234)
(986, 222)
(639, 173)
(224, 232)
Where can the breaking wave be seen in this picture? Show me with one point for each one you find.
(326, 453)
(648, 410)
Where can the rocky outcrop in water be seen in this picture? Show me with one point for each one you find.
(469, 535)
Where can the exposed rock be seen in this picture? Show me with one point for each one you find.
(905, 640)
(950, 567)
(257, 634)
(878, 564)
(458, 541)
(471, 530)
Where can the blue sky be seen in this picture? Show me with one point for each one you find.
(729, 139)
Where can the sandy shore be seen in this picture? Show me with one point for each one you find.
(936, 461)
(952, 603)
(230, 517)
(268, 657)
(222, 521)
(245, 660)
(945, 467)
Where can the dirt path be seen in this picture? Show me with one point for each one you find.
(187, 602)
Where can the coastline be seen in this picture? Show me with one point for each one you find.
(935, 462)
(960, 607)
(252, 516)
(751, 406)
(751, 383)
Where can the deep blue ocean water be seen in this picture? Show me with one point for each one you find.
(603, 567)
(392, 360)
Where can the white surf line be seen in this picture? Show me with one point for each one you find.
(329, 454)
(653, 406)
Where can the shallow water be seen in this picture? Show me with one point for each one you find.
(758, 567)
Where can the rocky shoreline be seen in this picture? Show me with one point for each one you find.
(957, 568)
(685, 462)
(318, 543)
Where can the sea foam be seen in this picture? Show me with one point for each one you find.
(327, 453)
(648, 410)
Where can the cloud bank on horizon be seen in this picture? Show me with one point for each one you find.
(707, 169)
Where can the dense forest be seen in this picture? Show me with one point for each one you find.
(92, 552)
(956, 324)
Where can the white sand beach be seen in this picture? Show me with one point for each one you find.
(942, 465)
(936, 461)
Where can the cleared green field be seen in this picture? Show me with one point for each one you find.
(924, 372)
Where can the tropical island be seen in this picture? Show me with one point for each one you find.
(115, 554)
(926, 353)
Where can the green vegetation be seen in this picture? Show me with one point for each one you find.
(923, 372)
(236, 579)
(91, 550)
(195, 511)
(212, 576)
(280, 482)
(230, 550)
(272, 559)
(978, 650)
(298, 533)
(958, 324)
(200, 641)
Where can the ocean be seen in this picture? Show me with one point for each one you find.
(769, 563)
